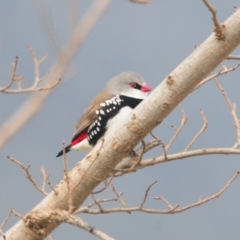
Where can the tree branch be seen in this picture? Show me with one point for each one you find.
(171, 209)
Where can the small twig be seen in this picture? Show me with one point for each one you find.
(45, 177)
(4, 222)
(18, 214)
(127, 162)
(118, 196)
(96, 202)
(13, 76)
(115, 199)
(218, 28)
(52, 187)
(202, 201)
(233, 57)
(213, 76)
(106, 184)
(177, 130)
(70, 199)
(37, 64)
(143, 147)
(146, 194)
(232, 108)
(27, 174)
(205, 124)
(169, 205)
(35, 86)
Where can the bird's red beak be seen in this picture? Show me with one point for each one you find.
(145, 88)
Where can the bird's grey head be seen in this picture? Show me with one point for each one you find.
(129, 84)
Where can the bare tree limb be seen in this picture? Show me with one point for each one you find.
(183, 155)
(171, 209)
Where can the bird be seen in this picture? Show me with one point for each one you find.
(115, 102)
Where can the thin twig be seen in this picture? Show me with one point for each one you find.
(17, 214)
(13, 76)
(232, 108)
(52, 187)
(115, 199)
(70, 197)
(96, 202)
(203, 128)
(118, 196)
(45, 177)
(169, 205)
(146, 194)
(106, 184)
(218, 28)
(177, 130)
(27, 174)
(143, 147)
(213, 76)
(233, 57)
(4, 222)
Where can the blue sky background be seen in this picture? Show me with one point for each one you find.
(151, 39)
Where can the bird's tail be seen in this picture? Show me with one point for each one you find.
(67, 149)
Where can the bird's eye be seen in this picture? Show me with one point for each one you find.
(133, 84)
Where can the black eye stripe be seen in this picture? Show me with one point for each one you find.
(137, 86)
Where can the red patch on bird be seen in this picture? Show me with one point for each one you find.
(81, 136)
